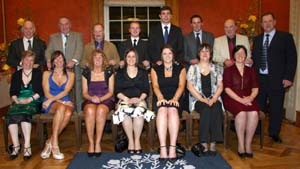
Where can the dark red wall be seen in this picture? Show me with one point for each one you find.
(1, 24)
(45, 14)
(215, 12)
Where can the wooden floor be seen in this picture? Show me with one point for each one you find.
(272, 156)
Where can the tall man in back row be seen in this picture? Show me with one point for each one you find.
(71, 44)
(275, 59)
(165, 33)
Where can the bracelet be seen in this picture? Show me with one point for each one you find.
(32, 98)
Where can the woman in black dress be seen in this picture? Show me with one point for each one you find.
(168, 81)
(26, 92)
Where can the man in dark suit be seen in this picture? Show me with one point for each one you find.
(275, 57)
(134, 41)
(194, 39)
(28, 42)
(165, 33)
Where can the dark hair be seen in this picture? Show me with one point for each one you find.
(55, 55)
(205, 46)
(196, 16)
(164, 8)
(136, 56)
(167, 46)
(237, 48)
(267, 13)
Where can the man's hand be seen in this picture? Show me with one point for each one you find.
(194, 61)
(159, 62)
(71, 64)
(228, 62)
(287, 83)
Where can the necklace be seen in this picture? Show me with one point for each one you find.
(169, 68)
(28, 74)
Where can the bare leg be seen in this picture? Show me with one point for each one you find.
(252, 120)
(90, 111)
(138, 124)
(26, 128)
(173, 127)
(128, 128)
(240, 126)
(13, 130)
(102, 110)
(162, 125)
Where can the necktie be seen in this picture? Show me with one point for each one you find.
(231, 47)
(198, 41)
(29, 45)
(264, 54)
(98, 46)
(66, 42)
(134, 43)
(166, 35)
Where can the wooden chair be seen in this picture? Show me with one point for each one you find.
(261, 119)
(48, 118)
(5, 130)
(196, 116)
(81, 118)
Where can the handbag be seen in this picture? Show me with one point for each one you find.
(122, 143)
(198, 149)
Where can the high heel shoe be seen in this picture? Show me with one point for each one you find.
(27, 150)
(162, 159)
(47, 151)
(57, 155)
(173, 159)
(15, 152)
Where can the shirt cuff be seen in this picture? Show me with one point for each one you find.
(76, 61)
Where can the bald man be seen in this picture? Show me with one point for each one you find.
(223, 47)
(28, 42)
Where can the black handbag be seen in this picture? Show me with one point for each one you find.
(122, 143)
(198, 149)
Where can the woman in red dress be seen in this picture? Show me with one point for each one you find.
(241, 88)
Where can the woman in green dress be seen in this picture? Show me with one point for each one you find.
(26, 92)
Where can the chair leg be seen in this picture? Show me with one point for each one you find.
(40, 128)
(5, 135)
(114, 129)
(191, 130)
(225, 132)
(261, 133)
(151, 134)
(78, 133)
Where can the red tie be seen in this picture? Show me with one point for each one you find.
(231, 47)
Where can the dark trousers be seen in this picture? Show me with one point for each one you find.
(275, 98)
(210, 123)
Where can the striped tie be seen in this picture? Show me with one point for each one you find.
(264, 54)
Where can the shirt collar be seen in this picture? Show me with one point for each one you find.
(168, 25)
(200, 33)
(271, 34)
(26, 40)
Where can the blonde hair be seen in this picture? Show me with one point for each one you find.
(91, 60)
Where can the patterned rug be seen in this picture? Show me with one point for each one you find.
(145, 161)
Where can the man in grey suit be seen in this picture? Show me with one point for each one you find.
(194, 39)
(71, 44)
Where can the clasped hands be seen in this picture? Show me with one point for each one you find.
(171, 102)
(246, 100)
(210, 101)
(133, 100)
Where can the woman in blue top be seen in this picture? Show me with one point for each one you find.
(57, 84)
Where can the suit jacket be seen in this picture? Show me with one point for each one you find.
(109, 50)
(282, 57)
(190, 44)
(17, 47)
(221, 49)
(156, 42)
(141, 49)
(74, 46)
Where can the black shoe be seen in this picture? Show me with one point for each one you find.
(206, 153)
(173, 160)
(242, 155)
(163, 160)
(212, 153)
(138, 151)
(249, 155)
(26, 151)
(15, 152)
(276, 138)
(130, 151)
(90, 154)
(97, 154)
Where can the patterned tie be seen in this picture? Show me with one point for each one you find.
(231, 47)
(134, 43)
(29, 45)
(198, 41)
(264, 54)
(66, 42)
(166, 34)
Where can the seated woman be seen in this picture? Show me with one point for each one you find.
(241, 88)
(168, 81)
(97, 90)
(204, 81)
(132, 88)
(26, 92)
(57, 84)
